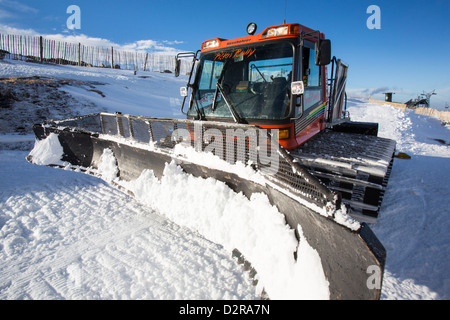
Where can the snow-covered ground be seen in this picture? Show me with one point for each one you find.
(414, 220)
(66, 235)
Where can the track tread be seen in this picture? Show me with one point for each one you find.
(358, 166)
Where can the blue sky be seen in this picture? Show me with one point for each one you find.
(408, 55)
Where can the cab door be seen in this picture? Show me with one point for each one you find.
(310, 111)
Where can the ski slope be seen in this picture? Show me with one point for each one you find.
(67, 235)
(414, 223)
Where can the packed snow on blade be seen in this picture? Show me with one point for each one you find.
(145, 156)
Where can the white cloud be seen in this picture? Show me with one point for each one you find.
(17, 6)
(11, 30)
(83, 39)
(172, 42)
(5, 14)
(152, 46)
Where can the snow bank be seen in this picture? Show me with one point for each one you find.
(48, 151)
(210, 207)
(413, 224)
(252, 226)
(66, 235)
(107, 168)
(209, 160)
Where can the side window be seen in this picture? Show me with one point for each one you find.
(314, 71)
(210, 74)
(311, 72)
(311, 79)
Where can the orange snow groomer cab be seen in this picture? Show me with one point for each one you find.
(276, 79)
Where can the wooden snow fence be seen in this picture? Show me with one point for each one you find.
(41, 49)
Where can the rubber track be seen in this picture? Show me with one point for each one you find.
(358, 166)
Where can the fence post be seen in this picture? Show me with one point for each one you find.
(112, 58)
(41, 47)
(145, 63)
(79, 54)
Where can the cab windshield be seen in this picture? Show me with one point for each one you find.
(249, 83)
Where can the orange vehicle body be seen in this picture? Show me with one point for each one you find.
(295, 131)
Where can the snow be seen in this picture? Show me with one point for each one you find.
(209, 160)
(48, 151)
(112, 90)
(230, 219)
(67, 235)
(107, 167)
(236, 222)
(414, 223)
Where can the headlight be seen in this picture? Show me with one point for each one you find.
(277, 31)
(211, 44)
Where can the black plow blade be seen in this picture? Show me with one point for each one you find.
(351, 256)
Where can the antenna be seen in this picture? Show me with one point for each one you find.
(285, 7)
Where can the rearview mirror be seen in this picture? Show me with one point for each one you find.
(323, 52)
(177, 67)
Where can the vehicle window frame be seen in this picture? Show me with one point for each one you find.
(287, 108)
(313, 94)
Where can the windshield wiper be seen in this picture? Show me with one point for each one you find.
(197, 109)
(216, 94)
(219, 88)
(233, 111)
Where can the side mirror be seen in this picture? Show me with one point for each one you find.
(323, 52)
(177, 67)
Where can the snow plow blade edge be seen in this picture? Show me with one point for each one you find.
(348, 256)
